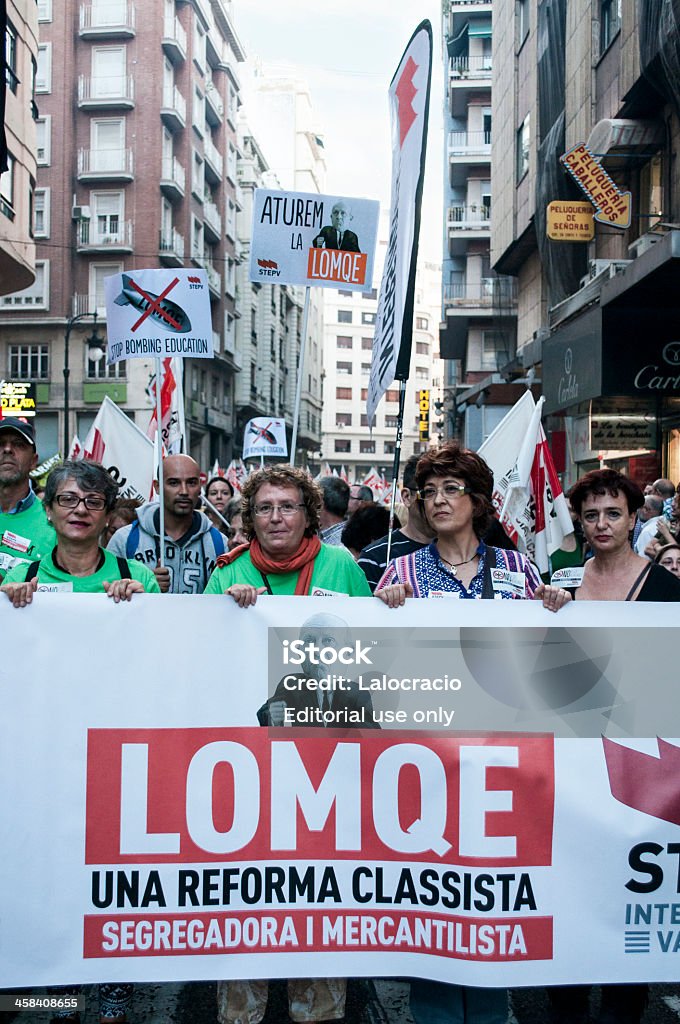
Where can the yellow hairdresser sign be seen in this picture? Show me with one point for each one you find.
(570, 221)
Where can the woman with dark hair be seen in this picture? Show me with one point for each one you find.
(218, 493)
(280, 510)
(455, 487)
(606, 502)
(79, 499)
(368, 522)
(669, 557)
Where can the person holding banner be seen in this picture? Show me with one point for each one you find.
(25, 533)
(79, 498)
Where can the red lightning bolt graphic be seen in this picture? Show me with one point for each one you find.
(405, 93)
(649, 784)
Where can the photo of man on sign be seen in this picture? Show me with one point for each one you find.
(336, 236)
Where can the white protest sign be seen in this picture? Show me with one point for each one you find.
(307, 239)
(265, 436)
(158, 313)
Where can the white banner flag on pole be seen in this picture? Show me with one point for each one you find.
(527, 494)
(173, 430)
(122, 449)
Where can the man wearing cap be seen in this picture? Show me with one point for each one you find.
(25, 534)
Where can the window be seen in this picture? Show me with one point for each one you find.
(43, 77)
(196, 239)
(389, 447)
(610, 21)
(343, 367)
(342, 445)
(43, 134)
(44, 10)
(231, 163)
(36, 296)
(41, 213)
(367, 447)
(422, 373)
(98, 271)
(343, 392)
(198, 177)
(108, 144)
(29, 362)
(364, 419)
(373, 294)
(199, 45)
(522, 21)
(7, 189)
(107, 217)
(11, 58)
(368, 318)
(523, 147)
(494, 350)
(343, 419)
(345, 293)
(392, 396)
(364, 394)
(422, 348)
(198, 112)
(422, 323)
(215, 394)
(366, 344)
(365, 369)
(344, 316)
(108, 71)
(101, 370)
(230, 218)
(344, 341)
(392, 421)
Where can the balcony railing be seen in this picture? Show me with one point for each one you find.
(173, 173)
(90, 237)
(211, 215)
(466, 143)
(174, 37)
(213, 157)
(105, 163)
(214, 104)
(171, 243)
(469, 218)
(114, 18)
(476, 66)
(106, 91)
(174, 107)
(490, 292)
(214, 279)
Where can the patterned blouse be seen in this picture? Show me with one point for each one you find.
(429, 576)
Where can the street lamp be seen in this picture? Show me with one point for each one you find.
(95, 347)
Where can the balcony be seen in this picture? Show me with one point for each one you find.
(212, 222)
(105, 165)
(173, 178)
(474, 68)
(171, 248)
(470, 144)
(173, 109)
(90, 239)
(214, 107)
(491, 294)
(470, 218)
(214, 280)
(174, 41)
(214, 164)
(104, 91)
(112, 20)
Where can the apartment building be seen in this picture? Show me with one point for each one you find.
(478, 329)
(597, 320)
(17, 183)
(137, 154)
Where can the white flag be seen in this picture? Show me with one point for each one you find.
(527, 493)
(173, 429)
(122, 449)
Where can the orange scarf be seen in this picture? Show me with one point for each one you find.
(302, 561)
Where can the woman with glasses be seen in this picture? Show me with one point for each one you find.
(454, 489)
(280, 511)
(79, 501)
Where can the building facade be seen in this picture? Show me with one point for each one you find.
(17, 183)
(478, 329)
(137, 154)
(596, 319)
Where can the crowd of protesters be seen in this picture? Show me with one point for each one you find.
(284, 534)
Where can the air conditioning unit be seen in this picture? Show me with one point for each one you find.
(642, 244)
(600, 268)
(81, 213)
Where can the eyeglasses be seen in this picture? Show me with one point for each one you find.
(287, 509)
(448, 490)
(70, 500)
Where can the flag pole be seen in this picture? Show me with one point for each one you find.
(208, 502)
(159, 436)
(395, 464)
(298, 389)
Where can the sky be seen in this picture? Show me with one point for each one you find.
(348, 51)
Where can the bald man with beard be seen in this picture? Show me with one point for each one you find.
(191, 544)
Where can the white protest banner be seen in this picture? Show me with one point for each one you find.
(158, 313)
(173, 429)
(122, 448)
(527, 494)
(409, 106)
(308, 239)
(265, 436)
(174, 839)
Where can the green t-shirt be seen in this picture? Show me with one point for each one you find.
(57, 580)
(335, 572)
(25, 536)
